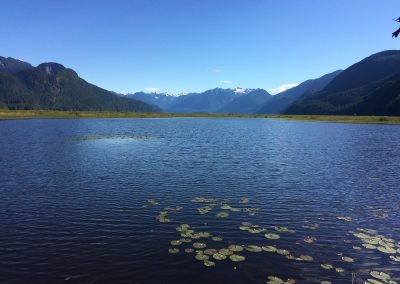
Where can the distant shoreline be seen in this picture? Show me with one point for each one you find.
(31, 114)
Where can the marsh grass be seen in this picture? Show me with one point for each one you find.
(27, 114)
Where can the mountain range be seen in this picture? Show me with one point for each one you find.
(368, 87)
(52, 86)
(211, 101)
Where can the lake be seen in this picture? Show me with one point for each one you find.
(100, 200)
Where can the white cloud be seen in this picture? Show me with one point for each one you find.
(152, 89)
(282, 88)
(226, 82)
(216, 70)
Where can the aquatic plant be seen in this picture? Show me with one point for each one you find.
(199, 245)
(310, 239)
(327, 266)
(272, 236)
(237, 258)
(222, 215)
(253, 248)
(208, 263)
(235, 248)
(216, 238)
(173, 250)
(347, 259)
(218, 256)
(269, 248)
(201, 256)
(176, 242)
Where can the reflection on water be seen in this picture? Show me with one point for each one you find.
(198, 201)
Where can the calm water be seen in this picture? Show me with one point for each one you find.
(74, 199)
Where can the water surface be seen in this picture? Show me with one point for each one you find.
(74, 198)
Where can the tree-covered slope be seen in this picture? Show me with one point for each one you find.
(52, 86)
(280, 102)
(369, 87)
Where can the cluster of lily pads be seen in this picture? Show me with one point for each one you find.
(163, 216)
(202, 253)
(210, 249)
(277, 280)
(372, 240)
(211, 203)
(257, 229)
(150, 202)
(379, 277)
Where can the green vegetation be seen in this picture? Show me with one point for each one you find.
(51, 86)
(369, 87)
(25, 114)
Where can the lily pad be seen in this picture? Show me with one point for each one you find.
(176, 242)
(309, 239)
(253, 248)
(226, 207)
(216, 239)
(395, 258)
(200, 256)
(386, 250)
(345, 218)
(327, 266)
(204, 210)
(373, 281)
(209, 263)
(173, 250)
(282, 252)
(380, 275)
(225, 251)
(272, 236)
(218, 256)
(189, 250)
(274, 280)
(368, 246)
(306, 257)
(237, 258)
(210, 251)
(244, 200)
(255, 230)
(235, 248)
(222, 215)
(199, 245)
(269, 248)
(347, 259)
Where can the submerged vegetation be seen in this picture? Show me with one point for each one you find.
(26, 114)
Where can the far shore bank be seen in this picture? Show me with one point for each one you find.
(30, 114)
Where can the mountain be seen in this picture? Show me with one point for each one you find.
(11, 65)
(247, 103)
(52, 86)
(209, 101)
(280, 102)
(368, 87)
(161, 100)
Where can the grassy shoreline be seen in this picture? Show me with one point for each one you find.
(30, 114)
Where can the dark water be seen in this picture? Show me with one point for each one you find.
(74, 198)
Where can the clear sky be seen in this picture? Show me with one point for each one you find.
(194, 45)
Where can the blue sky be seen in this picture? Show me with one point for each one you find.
(193, 45)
